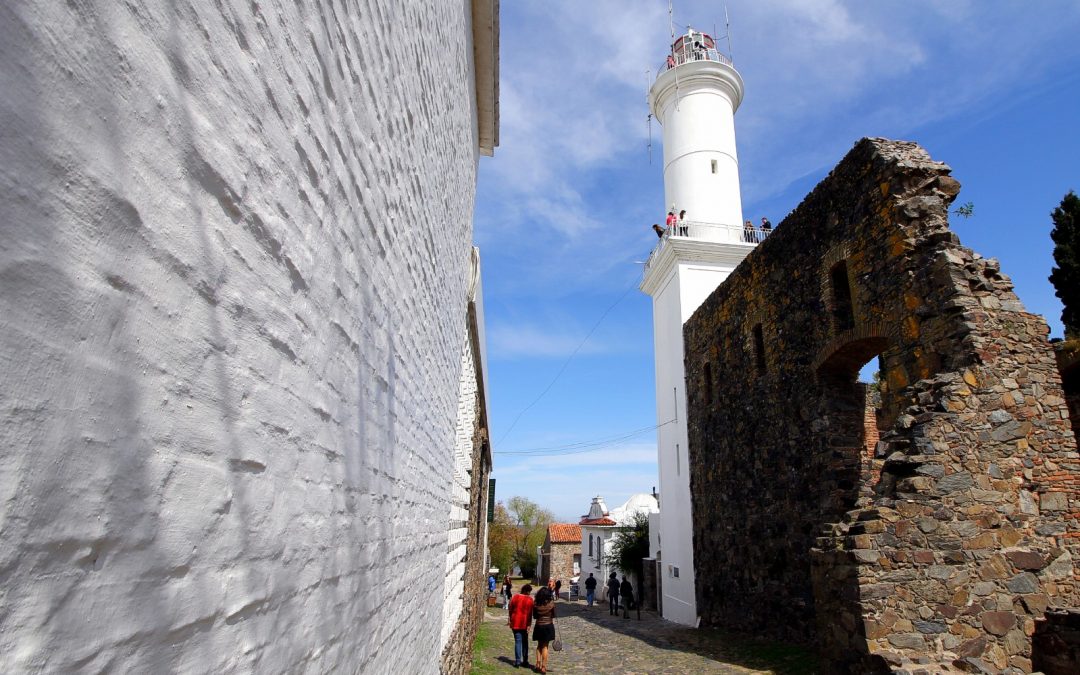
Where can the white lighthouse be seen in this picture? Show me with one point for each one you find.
(694, 98)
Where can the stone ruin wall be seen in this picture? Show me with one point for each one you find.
(961, 528)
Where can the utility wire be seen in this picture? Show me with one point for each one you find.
(583, 446)
(566, 363)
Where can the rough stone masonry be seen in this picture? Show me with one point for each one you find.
(949, 541)
(233, 300)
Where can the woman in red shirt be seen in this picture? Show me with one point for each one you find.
(521, 611)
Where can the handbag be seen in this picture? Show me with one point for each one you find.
(557, 644)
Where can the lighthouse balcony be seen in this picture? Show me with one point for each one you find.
(739, 236)
(690, 55)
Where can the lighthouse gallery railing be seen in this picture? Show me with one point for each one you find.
(699, 55)
(692, 229)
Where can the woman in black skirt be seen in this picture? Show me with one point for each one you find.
(544, 626)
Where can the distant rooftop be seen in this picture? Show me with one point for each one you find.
(564, 533)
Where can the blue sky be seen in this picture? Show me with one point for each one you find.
(563, 210)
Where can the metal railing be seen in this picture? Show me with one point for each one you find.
(691, 229)
(694, 55)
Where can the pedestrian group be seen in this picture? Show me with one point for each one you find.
(523, 611)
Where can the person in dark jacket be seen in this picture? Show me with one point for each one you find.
(626, 594)
(590, 589)
(613, 594)
(507, 591)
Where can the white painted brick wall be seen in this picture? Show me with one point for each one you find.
(232, 289)
(453, 585)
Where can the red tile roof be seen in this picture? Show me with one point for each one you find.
(597, 521)
(564, 533)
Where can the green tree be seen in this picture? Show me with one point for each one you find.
(530, 524)
(501, 536)
(631, 544)
(1066, 275)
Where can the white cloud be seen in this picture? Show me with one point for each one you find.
(515, 341)
(643, 453)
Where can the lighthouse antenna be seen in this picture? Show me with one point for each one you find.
(650, 139)
(727, 34)
(648, 122)
(671, 28)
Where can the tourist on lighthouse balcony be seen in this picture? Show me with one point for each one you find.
(671, 221)
(748, 232)
(682, 223)
(766, 227)
(658, 230)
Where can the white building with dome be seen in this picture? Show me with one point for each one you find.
(598, 528)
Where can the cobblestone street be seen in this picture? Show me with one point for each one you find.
(595, 642)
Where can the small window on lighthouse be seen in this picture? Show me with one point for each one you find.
(714, 166)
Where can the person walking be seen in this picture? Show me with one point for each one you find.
(520, 615)
(613, 594)
(590, 589)
(683, 229)
(558, 588)
(507, 591)
(626, 594)
(544, 630)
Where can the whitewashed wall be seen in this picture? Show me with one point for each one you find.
(232, 286)
(458, 523)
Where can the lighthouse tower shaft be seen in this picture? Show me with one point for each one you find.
(695, 99)
(695, 102)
